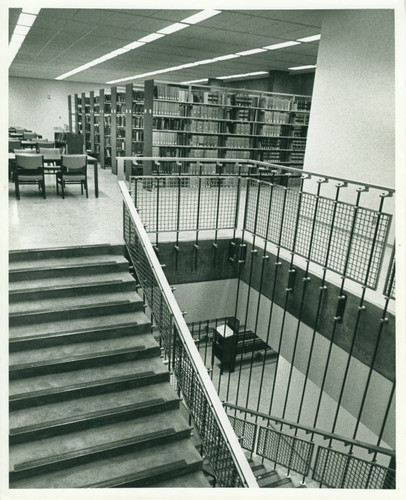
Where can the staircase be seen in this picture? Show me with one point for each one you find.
(90, 401)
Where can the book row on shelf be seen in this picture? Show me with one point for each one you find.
(193, 121)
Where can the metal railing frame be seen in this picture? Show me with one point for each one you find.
(227, 432)
(255, 169)
(326, 436)
(267, 168)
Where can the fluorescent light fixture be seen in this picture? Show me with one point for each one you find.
(21, 30)
(281, 45)
(250, 52)
(203, 61)
(189, 65)
(17, 39)
(201, 16)
(254, 73)
(151, 37)
(133, 45)
(31, 10)
(309, 38)
(195, 81)
(26, 19)
(173, 28)
(308, 66)
(224, 58)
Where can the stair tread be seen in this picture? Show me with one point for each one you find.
(45, 263)
(69, 281)
(193, 480)
(63, 303)
(80, 350)
(47, 414)
(59, 381)
(79, 324)
(85, 441)
(87, 475)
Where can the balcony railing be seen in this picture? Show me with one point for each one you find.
(219, 442)
(293, 233)
(264, 435)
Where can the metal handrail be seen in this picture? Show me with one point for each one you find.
(245, 473)
(253, 164)
(311, 430)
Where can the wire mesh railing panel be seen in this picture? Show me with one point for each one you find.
(145, 276)
(346, 239)
(390, 283)
(218, 439)
(214, 446)
(285, 450)
(335, 469)
(186, 203)
(245, 431)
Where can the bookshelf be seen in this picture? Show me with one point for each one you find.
(96, 123)
(106, 123)
(214, 122)
(196, 121)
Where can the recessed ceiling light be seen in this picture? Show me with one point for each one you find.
(173, 28)
(281, 45)
(195, 81)
(250, 52)
(201, 16)
(21, 30)
(309, 38)
(254, 73)
(31, 10)
(26, 19)
(203, 61)
(151, 37)
(308, 66)
(133, 45)
(17, 38)
(224, 58)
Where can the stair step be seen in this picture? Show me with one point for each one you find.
(73, 266)
(65, 252)
(69, 286)
(61, 332)
(193, 480)
(26, 312)
(92, 411)
(82, 355)
(97, 380)
(87, 445)
(143, 468)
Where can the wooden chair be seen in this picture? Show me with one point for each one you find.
(52, 160)
(73, 171)
(13, 144)
(29, 169)
(44, 144)
(29, 136)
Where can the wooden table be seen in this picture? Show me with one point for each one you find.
(48, 157)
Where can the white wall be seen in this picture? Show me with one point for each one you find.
(42, 105)
(379, 388)
(352, 121)
(216, 299)
(207, 300)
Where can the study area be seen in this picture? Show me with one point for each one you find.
(202, 248)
